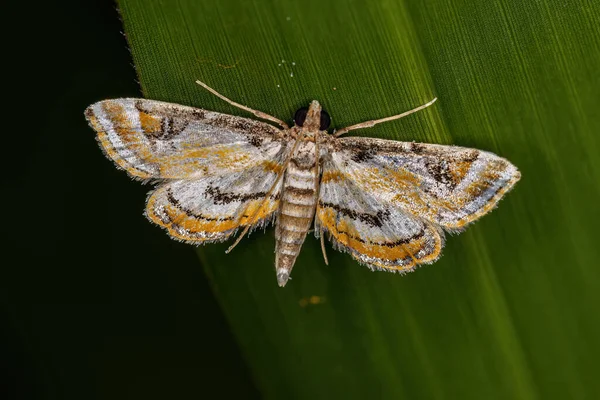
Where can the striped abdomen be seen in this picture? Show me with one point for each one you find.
(297, 209)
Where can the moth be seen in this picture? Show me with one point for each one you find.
(387, 203)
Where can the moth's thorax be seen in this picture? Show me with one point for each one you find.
(323, 137)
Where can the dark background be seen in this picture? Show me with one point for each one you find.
(91, 310)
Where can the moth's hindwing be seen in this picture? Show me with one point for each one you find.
(449, 186)
(376, 234)
(211, 209)
(155, 140)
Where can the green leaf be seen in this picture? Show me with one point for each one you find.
(510, 311)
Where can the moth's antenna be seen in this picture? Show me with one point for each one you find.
(369, 124)
(257, 113)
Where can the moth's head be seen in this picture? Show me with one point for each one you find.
(312, 117)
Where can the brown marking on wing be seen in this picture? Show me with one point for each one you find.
(272, 166)
(486, 178)
(150, 124)
(185, 225)
(221, 157)
(410, 187)
(491, 203)
(332, 176)
(128, 134)
(138, 152)
(224, 197)
(375, 179)
(175, 166)
(458, 170)
(375, 220)
(405, 249)
(255, 131)
(117, 116)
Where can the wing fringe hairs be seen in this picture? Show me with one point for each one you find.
(386, 203)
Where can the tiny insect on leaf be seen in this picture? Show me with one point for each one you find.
(386, 203)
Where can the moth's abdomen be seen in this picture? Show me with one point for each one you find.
(296, 212)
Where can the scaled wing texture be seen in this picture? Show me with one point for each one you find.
(213, 169)
(386, 202)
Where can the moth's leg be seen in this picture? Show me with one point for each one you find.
(253, 217)
(369, 124)
(318, 186)
(259, 114)
(323, 247)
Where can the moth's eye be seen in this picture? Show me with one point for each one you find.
(300, 116)
(325, 121)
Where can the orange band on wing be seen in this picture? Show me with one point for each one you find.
(332, 176)
(127, 134)
(349, 237)
(109, 149)
(176, 220)
(150, 124)
(272, 166)
(491, 203)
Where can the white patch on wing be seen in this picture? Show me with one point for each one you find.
(448, 185)
(167, 141)
(213, 208)
(377, 235)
